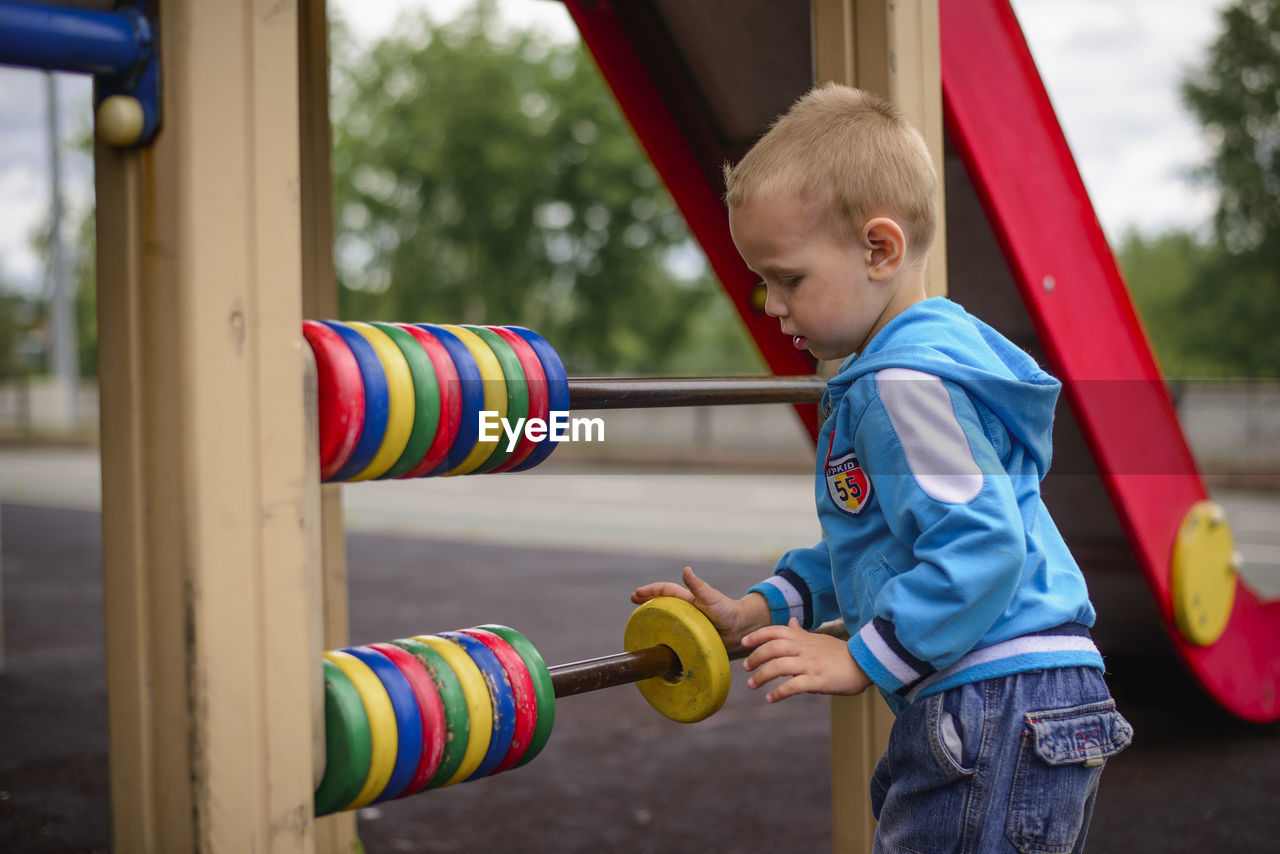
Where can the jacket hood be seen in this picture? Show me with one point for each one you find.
(939, 337)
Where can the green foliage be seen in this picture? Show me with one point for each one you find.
(1160, 271)
(86, 302)
(483, 177)
(1231, 310)
(21, 351)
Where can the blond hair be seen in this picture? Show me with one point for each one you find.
(852, 150)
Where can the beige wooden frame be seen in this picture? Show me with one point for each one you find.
(889, 47)
(204, 468)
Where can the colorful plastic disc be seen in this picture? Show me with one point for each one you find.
(340, 396)
(557, 390)
(426, 400)
(431, 709)
(703, 683)
(408, 719)
(456, 719)
(384, 740)
(543, 690)
(400, 413)
(536, 385)
(377, 402)
(471, 387)
(450, 400)
(501, 698)
(494, 399)
(521, 689)
(517, 389)
(346, 741)
(479, 706)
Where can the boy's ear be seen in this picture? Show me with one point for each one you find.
(885, 246)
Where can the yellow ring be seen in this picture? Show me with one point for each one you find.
(479, 704)
(495, 397)
(1204, 573)
(703, 683)
(400, 410)
(382, 725)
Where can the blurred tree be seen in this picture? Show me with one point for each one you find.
(488, 176)
(21, 350)
(85, 281)
(1160, 271)
(1232, 307)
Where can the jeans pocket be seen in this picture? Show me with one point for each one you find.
(1059, 763)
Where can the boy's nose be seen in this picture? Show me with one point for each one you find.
(773, 304)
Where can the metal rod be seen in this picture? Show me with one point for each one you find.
(647, 392)
(609, 671)
(59, 38)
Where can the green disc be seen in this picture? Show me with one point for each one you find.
(347, 742)
(517, 394)
(455, 708)
(542, 688)
(426, 392)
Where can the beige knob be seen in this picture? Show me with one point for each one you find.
(120, 120)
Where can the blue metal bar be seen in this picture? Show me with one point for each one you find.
(62, 38)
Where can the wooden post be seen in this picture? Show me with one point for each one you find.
(203, 459)
(336, 833)
(889, 47)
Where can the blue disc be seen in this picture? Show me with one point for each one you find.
(472, 398)
(502, 695)
(377, 400)
(557, 390)
(408, 718)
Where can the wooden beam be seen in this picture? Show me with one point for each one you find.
(889, 47)
(203, 474)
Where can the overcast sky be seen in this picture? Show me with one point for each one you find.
(1112, 68)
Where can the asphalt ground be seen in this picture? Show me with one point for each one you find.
(616, 776)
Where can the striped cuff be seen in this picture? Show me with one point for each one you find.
(896, 671)
(886, 661)
(788, 597)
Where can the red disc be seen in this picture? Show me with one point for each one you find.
(539, 401)
(450, 400)
(434, 727)
(340, 393)
(521, 688)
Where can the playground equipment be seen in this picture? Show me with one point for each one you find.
(220, 547)
(434, 710)
(399, 400)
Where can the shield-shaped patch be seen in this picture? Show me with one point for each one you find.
(847, 484)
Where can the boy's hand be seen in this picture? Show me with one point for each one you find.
(732, 618)
(816, 663)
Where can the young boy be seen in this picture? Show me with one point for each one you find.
(966, 609)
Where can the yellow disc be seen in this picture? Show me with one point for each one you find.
(703, 683)
(1203, 581)
(382, 725)
(495, 398)
(479, 704)
(401, 406)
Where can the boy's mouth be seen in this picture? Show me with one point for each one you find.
(799, 341)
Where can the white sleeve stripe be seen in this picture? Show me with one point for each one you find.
(790, 593)
(903, 672)
(937, 449)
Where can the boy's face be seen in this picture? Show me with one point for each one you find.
(819, 282)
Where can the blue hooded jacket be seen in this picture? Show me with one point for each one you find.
(937, 550)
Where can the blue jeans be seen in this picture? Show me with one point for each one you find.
(1007, 764)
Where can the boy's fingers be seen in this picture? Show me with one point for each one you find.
(661, 588)
(700, 588)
